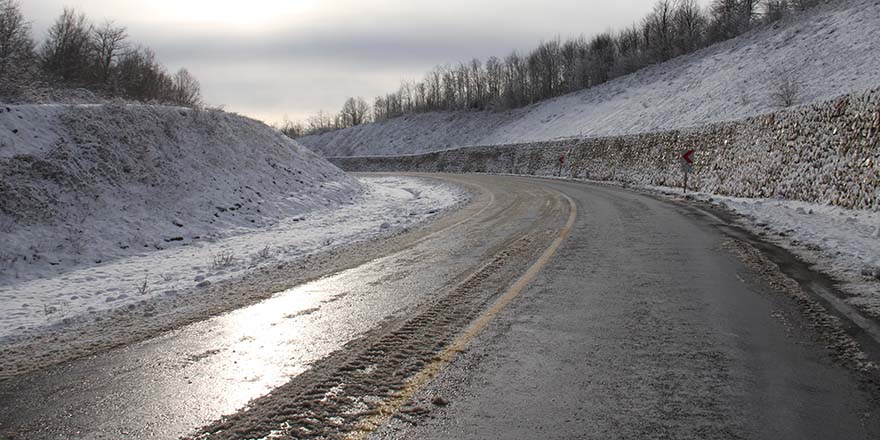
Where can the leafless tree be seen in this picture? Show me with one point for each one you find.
(629, 50)
(141, 77)
(185, 89)
(108, 42)
(356, 111)
(65, 53)
(291, 129)
(690, 25)
(319, 123)
(16, 44)
(602, 55)
(775, 10)
(659, 25)
(785, 89)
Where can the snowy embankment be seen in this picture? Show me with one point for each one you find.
(104, 207)
(84, 185)
(831, 50)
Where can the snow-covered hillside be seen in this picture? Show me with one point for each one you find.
(831, 50)
(82, 185)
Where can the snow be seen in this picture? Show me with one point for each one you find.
(88, 184)
(387, 205)
(832, 49)
(848, 237)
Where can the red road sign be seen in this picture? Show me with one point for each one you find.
(687, 156)
(561, 160)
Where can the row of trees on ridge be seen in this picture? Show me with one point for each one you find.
(557, 67)
(79, 53)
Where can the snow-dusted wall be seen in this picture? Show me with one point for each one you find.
(87, 183)
(825, 153)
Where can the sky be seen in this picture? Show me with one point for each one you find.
(271, 59)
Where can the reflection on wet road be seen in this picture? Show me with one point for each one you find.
(168, 386)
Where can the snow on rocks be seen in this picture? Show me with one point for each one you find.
(831, 50)
(385, 206)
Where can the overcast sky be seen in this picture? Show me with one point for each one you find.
(271, 58)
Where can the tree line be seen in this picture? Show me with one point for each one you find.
(79, 53)
(557, 67)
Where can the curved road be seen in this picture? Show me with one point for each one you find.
(635, 318)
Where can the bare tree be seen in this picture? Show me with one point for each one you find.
(108, 42)
(749, 11)
(785, 89)
(65, 53)
(319, 123)
(185, 89)
(690, 24)
(16, 44)
(355, 111)
(659, 25)
(602, 54)
(629, 49)
(140, 76)
(573, 56)
(775, 10)
(291, 129)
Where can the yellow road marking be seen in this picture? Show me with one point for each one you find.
(422, 378)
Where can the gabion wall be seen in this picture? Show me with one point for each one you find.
(825, 153)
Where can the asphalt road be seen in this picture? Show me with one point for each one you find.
(645, 325)
(647, 322)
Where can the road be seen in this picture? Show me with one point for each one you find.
(545, 309)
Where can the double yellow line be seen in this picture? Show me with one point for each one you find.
(417, 382)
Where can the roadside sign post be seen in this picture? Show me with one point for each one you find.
(687, 166)
(561, 163)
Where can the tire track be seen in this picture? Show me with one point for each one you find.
(343, 392)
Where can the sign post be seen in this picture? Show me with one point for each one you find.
(561, 164)
(687, 166)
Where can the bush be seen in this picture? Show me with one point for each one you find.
(785, 90)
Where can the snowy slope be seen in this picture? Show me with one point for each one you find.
(83, 185)
(833, 49)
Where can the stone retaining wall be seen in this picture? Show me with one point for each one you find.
(824, 153)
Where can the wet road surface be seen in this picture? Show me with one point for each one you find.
(644, 324)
